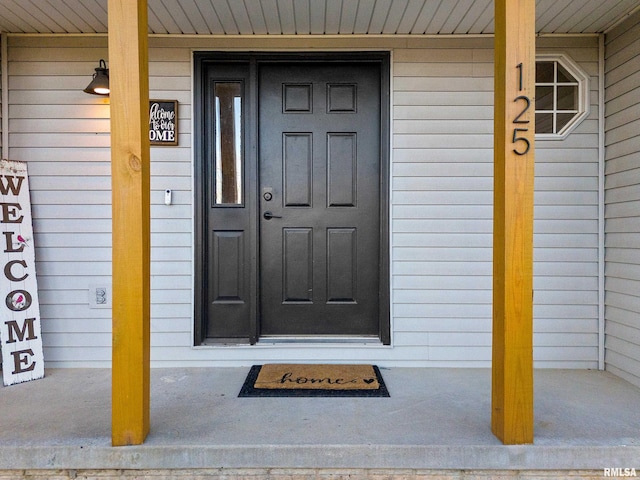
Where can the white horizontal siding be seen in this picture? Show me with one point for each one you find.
(622, 199)
(442, 213)
(63, 134)
(442, 181)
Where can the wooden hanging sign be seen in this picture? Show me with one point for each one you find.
(20, 334)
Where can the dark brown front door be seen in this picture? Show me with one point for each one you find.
(291, 206)
(319, 198)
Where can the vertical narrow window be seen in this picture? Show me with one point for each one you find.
(228, 143)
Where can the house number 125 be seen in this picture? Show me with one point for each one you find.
(523, 149)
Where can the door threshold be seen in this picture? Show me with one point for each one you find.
(322, 340)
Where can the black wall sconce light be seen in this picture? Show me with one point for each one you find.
(100, 83)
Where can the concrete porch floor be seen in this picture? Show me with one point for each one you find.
(434, 419)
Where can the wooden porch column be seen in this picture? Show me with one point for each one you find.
(129, 83)
(514, 122)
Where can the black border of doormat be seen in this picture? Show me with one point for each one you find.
(248, 389)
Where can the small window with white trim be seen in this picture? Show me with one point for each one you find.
(561, 96)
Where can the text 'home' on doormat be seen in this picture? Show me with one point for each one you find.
(302, 380)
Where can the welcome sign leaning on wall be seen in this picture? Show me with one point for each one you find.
(20, 336)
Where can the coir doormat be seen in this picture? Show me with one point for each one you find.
(300, 380)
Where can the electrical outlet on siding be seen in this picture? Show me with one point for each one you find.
(100, 295)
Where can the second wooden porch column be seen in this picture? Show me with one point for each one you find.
(514, 121)
(129, 83)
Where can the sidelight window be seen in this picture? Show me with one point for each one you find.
(561, 96)
(228, 138)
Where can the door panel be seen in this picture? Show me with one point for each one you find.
(341, 169)
(342, 266)
(297, 265)
(228, 266)
(297, 169)
(319, 162)
(227, 203)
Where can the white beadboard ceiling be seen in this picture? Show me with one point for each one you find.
(316, 17)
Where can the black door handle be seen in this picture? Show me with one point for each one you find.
(269, 216)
